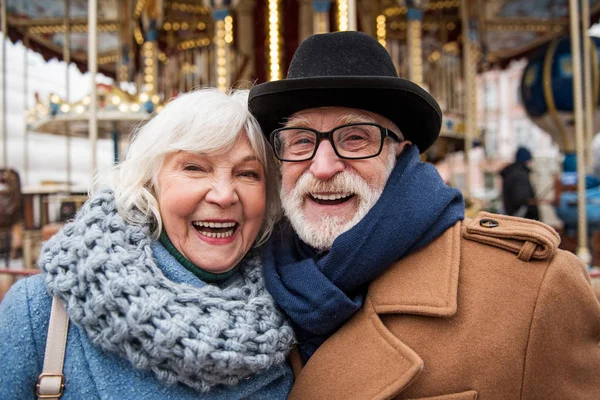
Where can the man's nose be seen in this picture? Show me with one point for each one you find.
(222, 193)
(326, 163)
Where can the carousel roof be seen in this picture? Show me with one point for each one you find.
(505, 29)
(122, 27)
(117, 112)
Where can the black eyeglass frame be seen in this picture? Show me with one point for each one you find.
(385, 132)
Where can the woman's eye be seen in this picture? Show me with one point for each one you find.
(250, 174)
(193, 167)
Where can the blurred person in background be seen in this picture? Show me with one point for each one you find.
(518, 195)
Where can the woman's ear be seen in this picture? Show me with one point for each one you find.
(400, 147)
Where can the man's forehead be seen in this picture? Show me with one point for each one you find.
(319, 116)
(338, 114)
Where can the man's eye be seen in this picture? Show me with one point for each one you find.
(302, 141)
(355, 137)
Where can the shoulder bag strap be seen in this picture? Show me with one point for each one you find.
(51, 382)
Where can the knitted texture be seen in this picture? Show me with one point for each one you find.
(104, 271)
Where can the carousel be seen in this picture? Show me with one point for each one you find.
(155, 49)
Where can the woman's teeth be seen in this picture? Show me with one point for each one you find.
(216, 230)
(217, 235)
(200, 224)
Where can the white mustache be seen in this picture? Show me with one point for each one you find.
(342, 182)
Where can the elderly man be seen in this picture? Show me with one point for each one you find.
(392, 293)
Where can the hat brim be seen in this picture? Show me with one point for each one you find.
(410, 107)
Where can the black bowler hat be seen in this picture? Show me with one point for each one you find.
(347, 69)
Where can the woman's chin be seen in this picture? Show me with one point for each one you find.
(216, 261)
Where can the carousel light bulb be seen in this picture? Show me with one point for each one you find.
(65, 108)
(115, 100)
(79, 109)
(123, 107)
(155, 99)
(135, 107)
(86, 100)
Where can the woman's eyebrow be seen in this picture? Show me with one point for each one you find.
(249, 158)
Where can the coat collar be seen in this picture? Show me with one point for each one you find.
(423, 283)
(376, 364)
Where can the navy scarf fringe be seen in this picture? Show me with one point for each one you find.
(320, 291)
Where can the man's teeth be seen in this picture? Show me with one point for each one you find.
(201, 224)
(334, 196)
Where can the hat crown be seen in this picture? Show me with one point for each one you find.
(341, 54)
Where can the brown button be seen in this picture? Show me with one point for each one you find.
(488, 223)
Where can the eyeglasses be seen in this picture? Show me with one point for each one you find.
(350, 141)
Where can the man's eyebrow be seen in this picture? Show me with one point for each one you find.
(349, 118)
(352, 118)
(297, 121)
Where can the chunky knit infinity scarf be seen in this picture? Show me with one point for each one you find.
(104, 271)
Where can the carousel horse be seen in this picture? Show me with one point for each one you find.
(11, 204)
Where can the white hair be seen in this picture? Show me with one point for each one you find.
(205, 121)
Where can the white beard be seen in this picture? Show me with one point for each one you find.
(322, 234)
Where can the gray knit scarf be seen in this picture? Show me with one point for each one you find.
(104, 271)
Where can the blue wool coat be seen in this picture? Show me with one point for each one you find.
(90, 372)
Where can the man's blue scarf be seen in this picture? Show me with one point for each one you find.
(319, 291)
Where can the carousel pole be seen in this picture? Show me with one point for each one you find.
(469, 100)
(4, 125)
(221, 64)
(67, 59)
(414, 17)
(346, 15)
(305, 19)
(245, 37)
(583, 251)
(274, 40)
(25, 107)
(351, 15)
(321, 16)
(92, 68)
(588, 85)
(223, 39)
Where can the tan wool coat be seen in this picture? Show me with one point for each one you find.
(489, 310)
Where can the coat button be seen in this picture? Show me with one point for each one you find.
(488, 223)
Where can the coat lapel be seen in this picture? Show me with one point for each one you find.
(423, 283)
(363, 359)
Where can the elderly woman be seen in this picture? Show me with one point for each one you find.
(158, 274)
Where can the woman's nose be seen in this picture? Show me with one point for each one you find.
(222, 193)
(325, 164)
